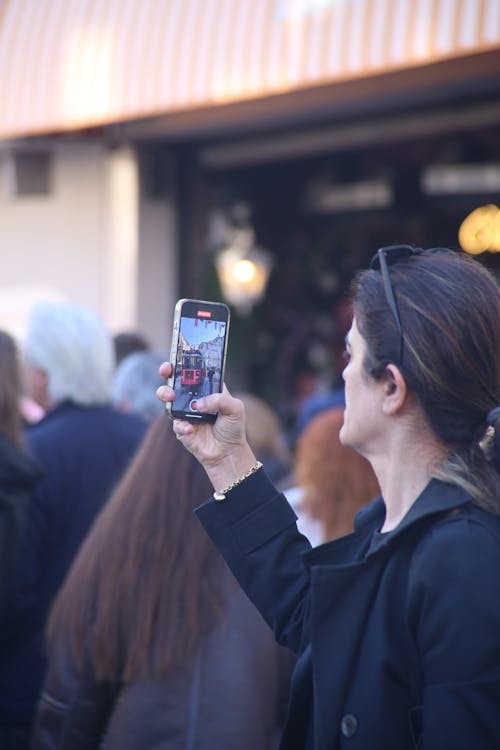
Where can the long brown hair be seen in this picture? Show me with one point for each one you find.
(10, 390)
(147, 580)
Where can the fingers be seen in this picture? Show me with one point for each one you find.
(165, 393)
(223, 403)
(216, 402)
(165, 370)
(182, 428)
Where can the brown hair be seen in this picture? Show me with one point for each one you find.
(10, 390)
(449, 306)
(263, 429)
(147, 580)
(336, 480)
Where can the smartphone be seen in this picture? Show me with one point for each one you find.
(198, 356)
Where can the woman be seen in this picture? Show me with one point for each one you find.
(266, 438)
(396, 626)
(19, 472)
(334, 481)
(151, 642)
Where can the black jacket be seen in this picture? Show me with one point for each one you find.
(84, 451)
(19, 473)
(397, 634)
(231, 696)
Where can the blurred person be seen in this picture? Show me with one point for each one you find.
(396, 625)
(265, 435)
(129, 342)
(152, 644)
(134, 384)
(83, 445)
(335, 481)
(31, 411)
(267, 440)
(19, 471)
(332, 396)
(315, 404)
(210, 376)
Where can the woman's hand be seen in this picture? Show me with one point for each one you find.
(221, 446)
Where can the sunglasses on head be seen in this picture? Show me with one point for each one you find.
(387, 256)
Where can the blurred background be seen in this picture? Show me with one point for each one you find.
(252, 151)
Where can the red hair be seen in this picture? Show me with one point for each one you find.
(336, 480)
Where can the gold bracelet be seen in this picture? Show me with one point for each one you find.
(222, 494)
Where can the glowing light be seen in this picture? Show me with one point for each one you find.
(480, 230)
(244, 271)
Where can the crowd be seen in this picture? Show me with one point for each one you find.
(82, 446)
(120, 624)
(345, 592)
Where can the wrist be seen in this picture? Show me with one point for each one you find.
(229, 469)
(220, 495)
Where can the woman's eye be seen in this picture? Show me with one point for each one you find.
(346, 355)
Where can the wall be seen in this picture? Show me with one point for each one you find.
(157, 283)
(90, 239)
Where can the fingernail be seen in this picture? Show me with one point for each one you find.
(199, 404)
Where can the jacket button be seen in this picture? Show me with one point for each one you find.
(348, 725)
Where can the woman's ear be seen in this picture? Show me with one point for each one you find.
(395, 390)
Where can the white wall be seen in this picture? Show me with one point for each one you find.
(91, 240)
(158, 272)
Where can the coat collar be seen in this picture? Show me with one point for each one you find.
(436, 498)
(65, 407)
(60, 408)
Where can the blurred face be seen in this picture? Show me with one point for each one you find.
(362, 415)
(35, 384)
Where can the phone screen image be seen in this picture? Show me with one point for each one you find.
(199, 362)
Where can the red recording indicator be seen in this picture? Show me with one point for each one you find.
(204, 314)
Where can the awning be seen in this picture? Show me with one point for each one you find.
(72, 64)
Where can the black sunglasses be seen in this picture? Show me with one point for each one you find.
(387, 256)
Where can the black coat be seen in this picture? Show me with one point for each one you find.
(84, 451)
(397, 634)
(19, 472)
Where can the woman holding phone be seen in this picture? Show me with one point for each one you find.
(395, 625)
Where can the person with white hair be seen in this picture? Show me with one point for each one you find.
(68, 355)
(84, 446)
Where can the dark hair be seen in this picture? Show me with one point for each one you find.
(129, 342)
(10, 390)
(147, 580)
(449, 306)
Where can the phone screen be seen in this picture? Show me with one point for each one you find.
(200, 356)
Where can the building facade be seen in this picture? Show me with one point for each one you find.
(128, 128)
